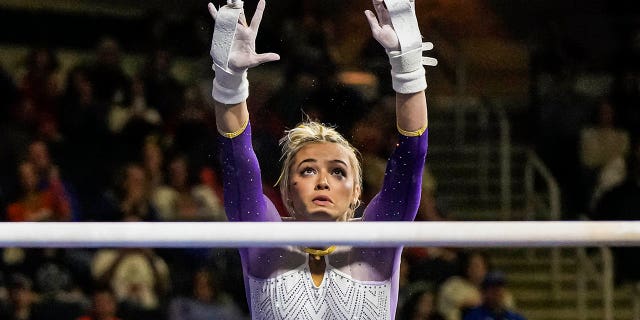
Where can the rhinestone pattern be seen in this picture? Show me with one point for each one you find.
(293, 295)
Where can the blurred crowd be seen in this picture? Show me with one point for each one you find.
(96, 142)
(99, 144)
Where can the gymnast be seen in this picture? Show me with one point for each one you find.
(321, 178)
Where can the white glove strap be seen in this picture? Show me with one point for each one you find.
(229, 87)
(405, 23)
(223, 35)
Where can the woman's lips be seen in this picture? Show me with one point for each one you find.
(322, 201)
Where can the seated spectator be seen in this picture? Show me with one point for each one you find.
(207, 302)
(420, 305)
(110, 81)
(493, 297)
(21, 299)
(40, 86)
(49, 173)
(104, 305)
(153, 162)
(50, 204)
(462, 292)
(131, 199)
(183, 200)
(139, 278)
(57, 298)
(162, 89)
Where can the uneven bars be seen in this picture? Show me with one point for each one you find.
(365, 234)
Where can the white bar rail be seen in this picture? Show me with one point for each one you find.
(367, 234)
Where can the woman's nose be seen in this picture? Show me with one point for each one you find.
(323, 183)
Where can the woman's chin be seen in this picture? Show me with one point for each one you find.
(322, 215)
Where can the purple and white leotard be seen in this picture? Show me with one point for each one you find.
(359, 283)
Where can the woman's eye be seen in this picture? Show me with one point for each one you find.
(338, 171)
(308, 171)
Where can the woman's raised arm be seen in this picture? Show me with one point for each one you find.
(233, 50)
(396, 29)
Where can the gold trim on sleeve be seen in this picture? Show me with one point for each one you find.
(416, 133)
(236, 133)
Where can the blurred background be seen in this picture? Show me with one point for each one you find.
(106, 115)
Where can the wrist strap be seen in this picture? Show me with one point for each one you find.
(229, 87)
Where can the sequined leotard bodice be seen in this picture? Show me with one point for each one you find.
(292, 295)
(359, 283)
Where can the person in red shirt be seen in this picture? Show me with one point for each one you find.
(49, 204)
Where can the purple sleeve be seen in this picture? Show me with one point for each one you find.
(399, 198)
(243, 198)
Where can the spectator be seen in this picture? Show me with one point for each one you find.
(139, 277)
(50, 176)
(131, 198)
(421, 306)
(603, 148)
(57, 300)
(49, 204)
(111, 83)
(161, 89)
(40, 86)
(182, 200)
(133, 120)
(207, 302)
(461, 292)
(193, 130)
(153, 162)
(21, 298)
(493, 297)
(104, 305)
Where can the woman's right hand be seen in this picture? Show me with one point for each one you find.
(243, 49)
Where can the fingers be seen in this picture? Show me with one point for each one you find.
(267, 57)
(373, 21)
(259, 59)
(257, 16)
(212, 10)
(381, 12)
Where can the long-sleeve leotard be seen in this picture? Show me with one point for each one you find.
(397, 201)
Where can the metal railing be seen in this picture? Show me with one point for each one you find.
(485, 112)
(586, 267)
(535, 167)
(587, 270)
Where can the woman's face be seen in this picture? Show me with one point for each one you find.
(321, 183)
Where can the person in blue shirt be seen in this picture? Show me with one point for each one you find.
(492, 308)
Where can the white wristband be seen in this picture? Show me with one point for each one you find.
(407, 72)
(229, 87)
(409, 82)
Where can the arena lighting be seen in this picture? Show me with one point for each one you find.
(366, 234)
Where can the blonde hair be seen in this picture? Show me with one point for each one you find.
(313, 132)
